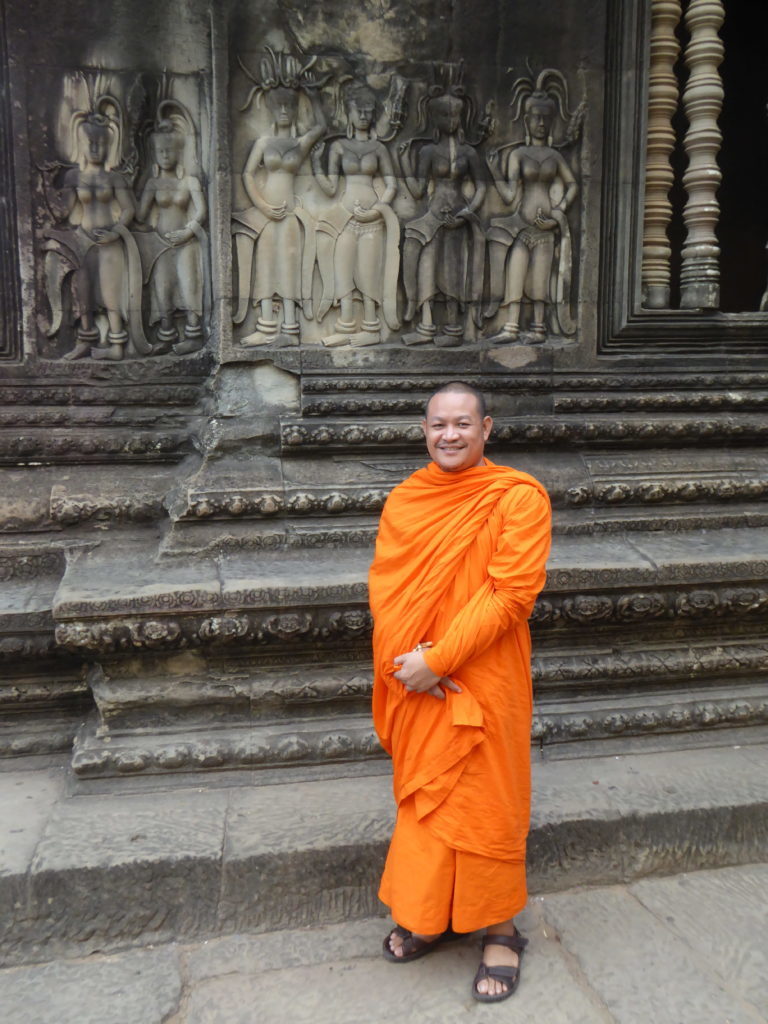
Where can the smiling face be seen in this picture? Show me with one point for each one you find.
(455, 431)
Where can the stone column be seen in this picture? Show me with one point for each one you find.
(702, 99)
(662, 102)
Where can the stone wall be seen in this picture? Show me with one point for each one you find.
(246, 242)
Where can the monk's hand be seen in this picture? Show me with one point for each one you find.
(446, 683)
(417, 677)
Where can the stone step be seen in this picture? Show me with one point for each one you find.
(307, 598)
(20, 446)
(306, 488)
(316, 718)
(533, 432)
(90, 872)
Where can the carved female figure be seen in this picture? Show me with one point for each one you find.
(358, 238)
(539, 186)
(276, 229)
(173, 202)
(96, 251)
(444, 250)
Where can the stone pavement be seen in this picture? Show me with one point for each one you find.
(685, 949)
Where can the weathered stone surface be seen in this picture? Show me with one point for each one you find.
(107, 872)
(638, 978)
(304, 862)
(92, 872)
(644, 814)
(584, 946)
(136, 988)
(721, 916)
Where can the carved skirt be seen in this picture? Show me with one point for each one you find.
(444, 265)
(359, 260)
(278, 260)
(177, 281)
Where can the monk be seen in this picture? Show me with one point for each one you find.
(459, 561)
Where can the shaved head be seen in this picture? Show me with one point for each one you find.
(462, 388)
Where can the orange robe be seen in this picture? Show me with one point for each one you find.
(459, 562)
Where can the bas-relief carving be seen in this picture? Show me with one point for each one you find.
(444, 250)
(348, 215)
(530, 248)
(116, 263)
(173, 207)
(275, 237)
(358, 238)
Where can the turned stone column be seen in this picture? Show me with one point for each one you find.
(702, 99)
(662, 102)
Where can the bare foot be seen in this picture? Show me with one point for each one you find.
(398, 938)
(497, 956)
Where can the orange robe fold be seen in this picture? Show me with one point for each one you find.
(459, 561)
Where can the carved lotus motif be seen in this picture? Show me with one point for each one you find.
(301, 503)
(223, 627)
(577, 495)
(289, 625)
(588, 608)
(745, 601)
(269, 505)
(697, 602)
(335, 502)
(154, 633)
(203, 508)
(640, 606)
(356, 621)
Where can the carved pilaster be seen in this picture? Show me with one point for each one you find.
(9, 282)
(662, 102)
(702, 99)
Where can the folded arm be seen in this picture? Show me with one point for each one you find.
(515, 576)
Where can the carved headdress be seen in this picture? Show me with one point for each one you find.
(103, 115)
(173, 119)
(446, 80)
(277, 69)
(550, 88)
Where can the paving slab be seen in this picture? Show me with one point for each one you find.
(344, 980)
(723, 916)
(135, 988)
(635, 962)
(604, 955)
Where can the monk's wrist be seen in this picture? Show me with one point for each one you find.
(432, 661)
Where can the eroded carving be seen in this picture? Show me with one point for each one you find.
(444, 249)
(530, 248)
(358, 237)
(275, 237)
(93, 254)
(173, 204)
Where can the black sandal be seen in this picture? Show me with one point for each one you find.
(413, 947)
(509, 976)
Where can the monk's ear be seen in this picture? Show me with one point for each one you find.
(487, 427)
(424, 427)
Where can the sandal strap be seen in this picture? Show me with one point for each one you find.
(514, 942)
(499, 973)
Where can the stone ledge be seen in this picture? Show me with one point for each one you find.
(92, 872)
